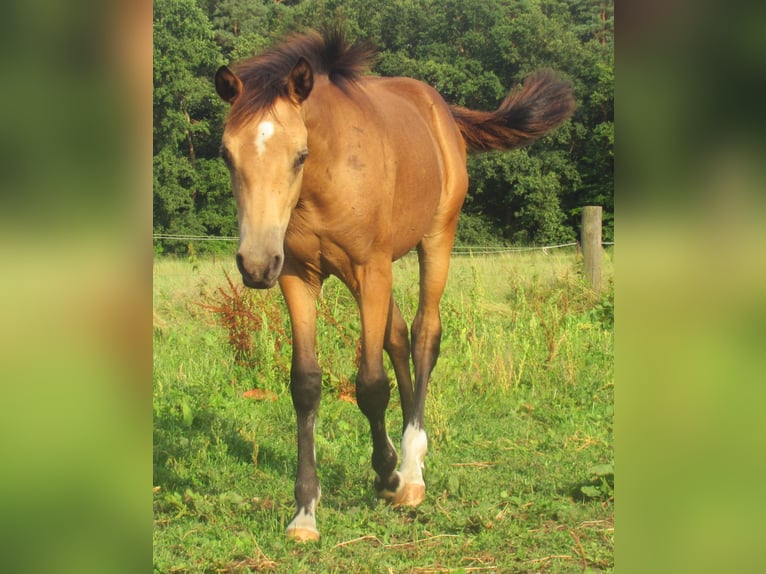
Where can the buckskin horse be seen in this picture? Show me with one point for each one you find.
(338, 172)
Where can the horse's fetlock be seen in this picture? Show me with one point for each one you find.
(384, 460)
(387, 488)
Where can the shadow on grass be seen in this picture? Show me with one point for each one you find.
(192, 457)
(598, 486)
(189, 456)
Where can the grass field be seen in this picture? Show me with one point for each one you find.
(519, 471)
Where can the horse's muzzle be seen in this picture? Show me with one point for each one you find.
(262, 275)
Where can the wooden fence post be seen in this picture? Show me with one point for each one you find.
(591, 245)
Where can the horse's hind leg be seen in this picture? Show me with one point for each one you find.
(434, 257)
(372, 388)
(397, 345)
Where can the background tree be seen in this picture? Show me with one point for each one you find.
(190, 184)
(471, 51)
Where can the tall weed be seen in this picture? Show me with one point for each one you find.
(246, 314)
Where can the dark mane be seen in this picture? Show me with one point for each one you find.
(264, 77)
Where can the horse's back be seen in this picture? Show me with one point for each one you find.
(417, 109)
(428, 153)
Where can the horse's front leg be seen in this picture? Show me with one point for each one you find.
(372, 386)
(305, 388)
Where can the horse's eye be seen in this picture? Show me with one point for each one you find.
(300, 160)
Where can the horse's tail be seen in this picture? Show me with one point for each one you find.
(541, 104)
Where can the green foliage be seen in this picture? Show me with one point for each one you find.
(604, 310)
(475, 229)
(190, 185)
(522, 191)
(471, 51)
(601, 484)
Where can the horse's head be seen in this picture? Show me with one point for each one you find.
(265, 155)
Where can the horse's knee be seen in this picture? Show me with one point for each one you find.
(372, 394)
(305, 388)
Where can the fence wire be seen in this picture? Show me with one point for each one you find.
(456, 250)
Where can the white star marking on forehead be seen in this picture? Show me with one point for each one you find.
(265, 131)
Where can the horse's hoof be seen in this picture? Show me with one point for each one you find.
(303, 534)
(410, 494)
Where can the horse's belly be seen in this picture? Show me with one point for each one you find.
(413, 213)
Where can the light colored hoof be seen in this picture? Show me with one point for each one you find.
(303, 534)
(410, 494)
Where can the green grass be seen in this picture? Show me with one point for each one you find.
(520, 464)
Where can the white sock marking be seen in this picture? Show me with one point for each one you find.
(414, 447)
(305, 519)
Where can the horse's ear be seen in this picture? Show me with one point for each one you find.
(227, 84)
(301, 81)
